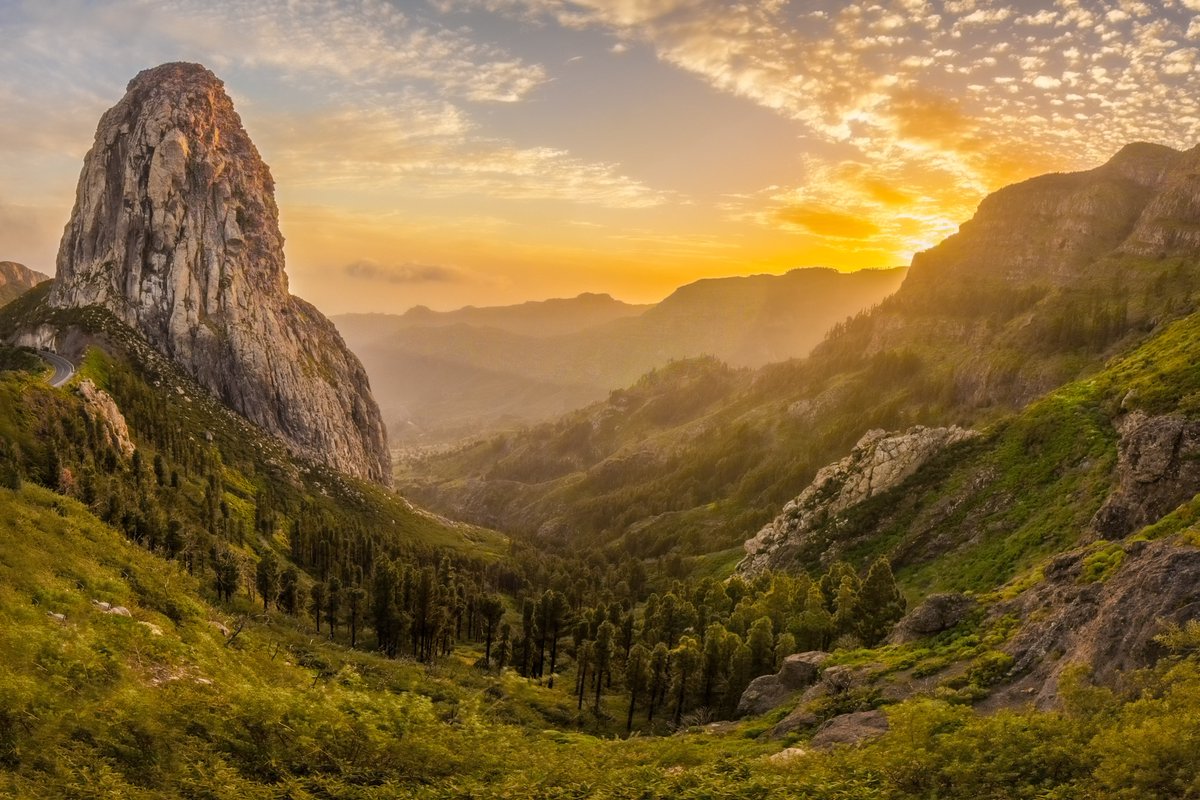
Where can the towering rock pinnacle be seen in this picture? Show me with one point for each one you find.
(176, 231)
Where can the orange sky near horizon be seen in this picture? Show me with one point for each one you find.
(453, 152)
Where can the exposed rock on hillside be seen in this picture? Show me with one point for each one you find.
(1105, 625)
(880, 461)
(937, 613)
(103, 409)
(854, 728)
(1067, 221)
(176, 231)
(1158, 467)
(799, 671)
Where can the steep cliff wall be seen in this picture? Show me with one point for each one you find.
(176, 231)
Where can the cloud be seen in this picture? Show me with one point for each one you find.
(828, 223)
(948, 100)
(347, 43)
(412, 145)
(401, 273)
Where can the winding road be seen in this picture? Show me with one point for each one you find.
(63, 369)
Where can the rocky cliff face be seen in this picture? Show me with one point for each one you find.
(1158, 467)
(1105, 625)
(1145, 201)
(16, 279)
(880, 461)
(176, 231)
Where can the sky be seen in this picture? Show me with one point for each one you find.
(453, 152)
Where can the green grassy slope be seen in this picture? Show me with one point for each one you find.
(158, 704)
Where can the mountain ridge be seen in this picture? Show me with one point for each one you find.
(968, 338)
(748, 320)
(16, 279)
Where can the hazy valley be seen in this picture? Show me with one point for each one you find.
(443, 377)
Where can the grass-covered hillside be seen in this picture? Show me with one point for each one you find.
(160, 703)
(155, 647)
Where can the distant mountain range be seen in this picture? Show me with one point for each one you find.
(16, 279)
(1050, 280)
(439, 376)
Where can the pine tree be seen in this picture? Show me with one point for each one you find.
(637, 676)
(602, 655)
(762, 646)
(660, 661)
(882, 602)
(848, 610)
(356, 598)
(504, 646)
(317, 594)
(491, 608)
(266, 578)
(740, 674)
(289, 589)
(685, 660)
(816, 623)
(333, 604)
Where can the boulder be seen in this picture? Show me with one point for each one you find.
(850, 729)
(766, 692)
(1158, 467)
(801, 670)
(937, 613)
(800, 719)
(790, 754)
(763, 694)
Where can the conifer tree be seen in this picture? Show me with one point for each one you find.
(491, 608)
(881, 601)
(266, 578)
(317, 595)
(289, 589)
(637, 675)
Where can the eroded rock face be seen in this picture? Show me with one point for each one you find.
(176, 231)
(1158, 467)
(1067, 221)
(103, 409)
(16, 279)
(1106, 626)
(880, 461)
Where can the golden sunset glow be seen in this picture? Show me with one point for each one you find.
(488, 151)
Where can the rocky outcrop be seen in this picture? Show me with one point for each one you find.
(936, 613)
(1065, 222)
(103, 410)
(175, 230)
(1106, 625)
(1158, 467)
(798, 671)
(879, 462)
(16, 279)
(849, 729)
